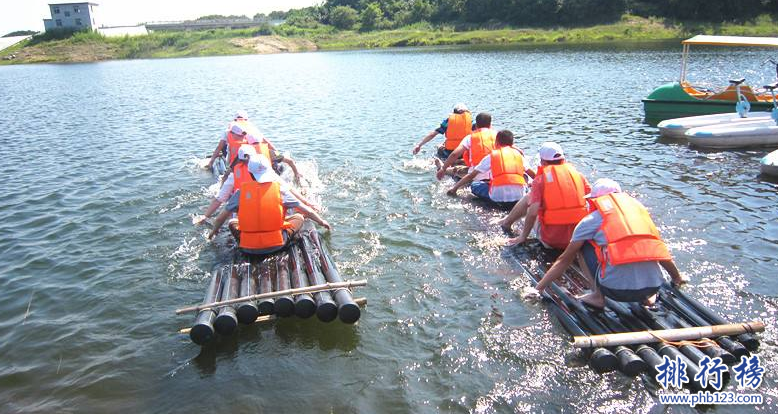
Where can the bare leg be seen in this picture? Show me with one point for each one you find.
(233, 225)
(585, 271)
(518, 211)
(458, 171)
(226, 174)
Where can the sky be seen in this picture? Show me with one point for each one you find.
(29, 14)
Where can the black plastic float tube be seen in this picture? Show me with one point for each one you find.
(735, 348)
(658, 322)
(227, 320)
(348, 310)
(714, 351)
(304, 306)
(645, 352)
(612, 324)
(747, 339)
(601, 360)
(284, 305)
(635, 324)
(247, 311)
(202, 331)
(267, 305)
(326, 309)
(629, 363)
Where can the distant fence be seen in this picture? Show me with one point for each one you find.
(209, 24)
(116, 31)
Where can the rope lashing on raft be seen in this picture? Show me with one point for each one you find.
(700, 343)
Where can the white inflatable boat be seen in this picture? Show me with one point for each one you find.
(677, 127)
(769, 164)
(737, 135)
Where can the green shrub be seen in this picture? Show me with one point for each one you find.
(87, 36)
(343, 17)
(371, 17)
(264, 30)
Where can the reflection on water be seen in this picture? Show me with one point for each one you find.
(97, 244)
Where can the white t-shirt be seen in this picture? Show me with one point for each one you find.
(226, 191)
(467, 142)
(229, 184)
(287, 198)
(503, 193)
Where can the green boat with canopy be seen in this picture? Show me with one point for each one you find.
(681, 99)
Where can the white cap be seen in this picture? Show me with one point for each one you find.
(251, 139)
(603, 186)
(259, 166)
(241, 115)
(246, 151)
(237, 130)
(551, 151)
(460, 107)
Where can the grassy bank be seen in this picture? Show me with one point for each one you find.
(630, 28)
(87, 47)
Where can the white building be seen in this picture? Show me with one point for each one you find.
(72, 16)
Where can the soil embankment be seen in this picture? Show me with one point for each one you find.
(144, 47)
(275, 44)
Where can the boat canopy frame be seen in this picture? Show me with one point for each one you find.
(710, 40)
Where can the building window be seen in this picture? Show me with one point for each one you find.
(67, 14)
(59, 23)
(78, 22)
(75, 9)
(56, 10)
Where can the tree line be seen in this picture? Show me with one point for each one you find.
(369, 15)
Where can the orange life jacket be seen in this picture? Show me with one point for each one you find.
(631, 234)
(507, 167)
(235, 141)
(459, 126)
(482, 143)
(563, 195)
(261, 215)
(240, 175)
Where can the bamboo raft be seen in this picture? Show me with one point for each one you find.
(301, 281)
(632, 339)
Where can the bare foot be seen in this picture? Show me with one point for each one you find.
(650, 301)
(593, 299)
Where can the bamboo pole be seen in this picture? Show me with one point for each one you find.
(308, 289)
(673, 335)
(267, 318)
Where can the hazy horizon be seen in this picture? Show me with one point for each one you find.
(29, 15)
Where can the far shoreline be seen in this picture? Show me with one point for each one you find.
(478, 46)
(86, 47)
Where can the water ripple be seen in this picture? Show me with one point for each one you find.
(97, 247)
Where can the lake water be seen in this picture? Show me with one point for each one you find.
(97, 246)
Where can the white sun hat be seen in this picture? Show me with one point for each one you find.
(259, 166)
(551, 151)
(602, 187)
(245, 152)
